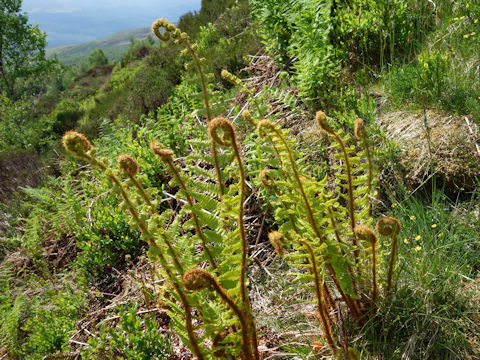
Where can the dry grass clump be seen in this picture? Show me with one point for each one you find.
(434, 143)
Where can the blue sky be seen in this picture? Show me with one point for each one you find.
(73, 21)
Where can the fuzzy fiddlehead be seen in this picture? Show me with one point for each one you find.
(171, 31)
(77, 144)
(130, 169)
(275, 238)
(390, 227)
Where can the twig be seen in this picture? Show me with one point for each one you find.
(473, 133)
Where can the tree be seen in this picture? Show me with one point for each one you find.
(97, 57)
(22, 51)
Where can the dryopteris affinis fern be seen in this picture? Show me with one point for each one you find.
(324, 234)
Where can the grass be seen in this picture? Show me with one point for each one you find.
(444, 74)
(432, 313)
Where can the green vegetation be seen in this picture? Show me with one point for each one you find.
(22, 52)
(114, 47)
(264, 229)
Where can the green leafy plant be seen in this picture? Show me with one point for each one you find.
(320, 42)
(202, 248)
(133, 336)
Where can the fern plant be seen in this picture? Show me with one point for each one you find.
(202, 246)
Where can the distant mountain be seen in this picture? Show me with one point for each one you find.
(68, 22)
(114, 46)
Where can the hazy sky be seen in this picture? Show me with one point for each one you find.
(73, 21)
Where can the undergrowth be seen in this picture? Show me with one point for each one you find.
(430, 310)
(203, 246)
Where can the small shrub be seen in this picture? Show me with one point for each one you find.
(105, 242)
(133, 336)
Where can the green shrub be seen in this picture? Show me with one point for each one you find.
(133, 336)
(33, 327)
(316, 39)
(105, 242)
(442, 75)
(97, 57)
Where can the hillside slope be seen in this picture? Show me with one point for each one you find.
(114, 46)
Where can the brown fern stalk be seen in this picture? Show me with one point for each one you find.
(230, 139)
(389, 226)
(324, 317)
(167, 156)
(199, 279)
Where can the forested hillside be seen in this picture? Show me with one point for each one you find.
(264, 180)
(113, 46)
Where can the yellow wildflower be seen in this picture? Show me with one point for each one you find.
(440, 235)
(406, 241)
(418, 237)
(434, 226)
(418, 248)
(413, 217)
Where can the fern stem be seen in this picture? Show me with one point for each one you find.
(320, 300)
(337, 237)
(189, 199)
(146, 198)
(242, 316)
(217, 169)
(203, 81)
(374, 271)
(243, 234)
(351, 202)
(142, 191)
(393, 255)
(208, 112)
